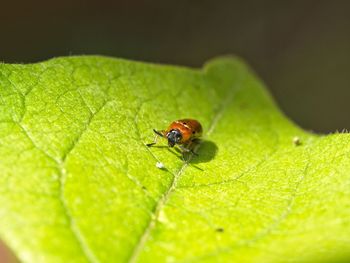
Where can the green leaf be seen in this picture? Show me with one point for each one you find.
(78, 183)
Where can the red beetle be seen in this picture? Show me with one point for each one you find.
(183, 133)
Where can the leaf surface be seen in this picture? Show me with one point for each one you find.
(78, 183)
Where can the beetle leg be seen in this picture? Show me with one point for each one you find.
(184, 149)
(193, 145)
(158, 133)
(188, 148)
(193, 152)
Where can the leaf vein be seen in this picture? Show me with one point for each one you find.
(61, 171)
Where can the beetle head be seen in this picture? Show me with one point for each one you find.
(174, 136)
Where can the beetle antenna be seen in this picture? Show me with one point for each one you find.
(158, 132)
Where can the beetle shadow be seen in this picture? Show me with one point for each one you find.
(206, 152)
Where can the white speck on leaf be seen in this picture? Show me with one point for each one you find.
(160, 165)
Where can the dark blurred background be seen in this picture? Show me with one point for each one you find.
(301, 49)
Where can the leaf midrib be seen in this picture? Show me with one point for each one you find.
(165, 197)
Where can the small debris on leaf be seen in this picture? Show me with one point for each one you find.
(296, 141)
(219, 229)
(160, 165)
